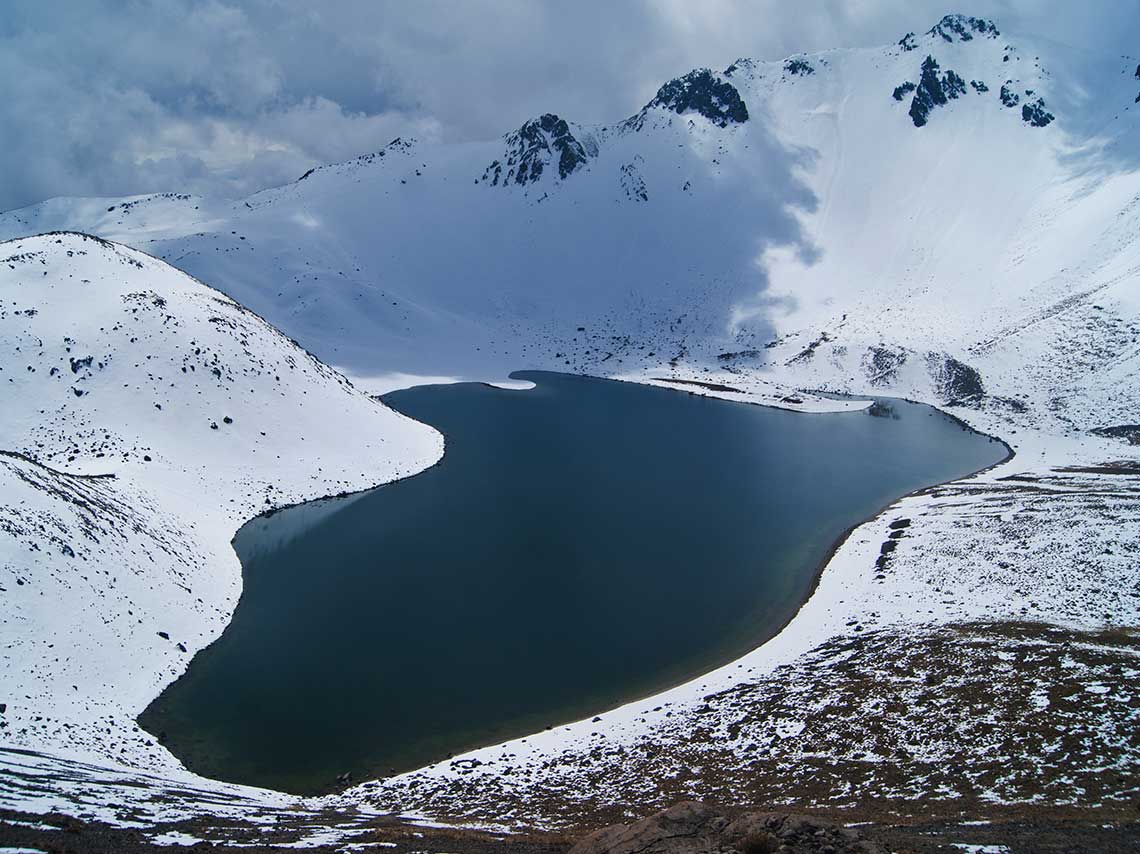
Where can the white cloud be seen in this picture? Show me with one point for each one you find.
(99, 97)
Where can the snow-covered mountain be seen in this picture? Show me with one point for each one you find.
(834, 219)
(952, 218)
(145, 417)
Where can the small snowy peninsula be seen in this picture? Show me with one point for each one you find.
(952, 218)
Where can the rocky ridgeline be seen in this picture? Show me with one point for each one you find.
(702, 92)
(936, 90)
(539, 143)
(695, 828)
(548, 140)
(963, 28)
(399, 145)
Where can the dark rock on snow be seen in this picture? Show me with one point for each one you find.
(902, 90)
(962, 28)
(700, 91)
(933, 91)
(799, 67)
(540, 141)
(1035, 114)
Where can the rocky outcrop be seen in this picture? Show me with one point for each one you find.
(933, 91)
(799, 67)
(539, 143)
(633, 183)
(962, 28)
(1034, 113)
(902, 90)
(705, 93)
(692, 827)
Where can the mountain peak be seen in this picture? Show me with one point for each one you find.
(963, 28)
(536, 144)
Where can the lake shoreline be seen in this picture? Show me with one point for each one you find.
(674, 680)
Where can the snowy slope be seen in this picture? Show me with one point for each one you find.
(774, 227)
(145, 417)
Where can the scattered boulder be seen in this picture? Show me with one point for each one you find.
(78, 364)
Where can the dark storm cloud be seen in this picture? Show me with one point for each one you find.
(226, 97)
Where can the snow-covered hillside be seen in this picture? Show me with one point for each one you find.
(145, 417)
(952, 218)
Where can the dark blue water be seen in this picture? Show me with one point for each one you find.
(580, 544)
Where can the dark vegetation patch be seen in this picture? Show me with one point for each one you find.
(1130, 433)
(808, 352)
(934, 726)
(881, 365)
(710, 386)
(956, 382)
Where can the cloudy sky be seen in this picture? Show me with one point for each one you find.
(224, 97)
